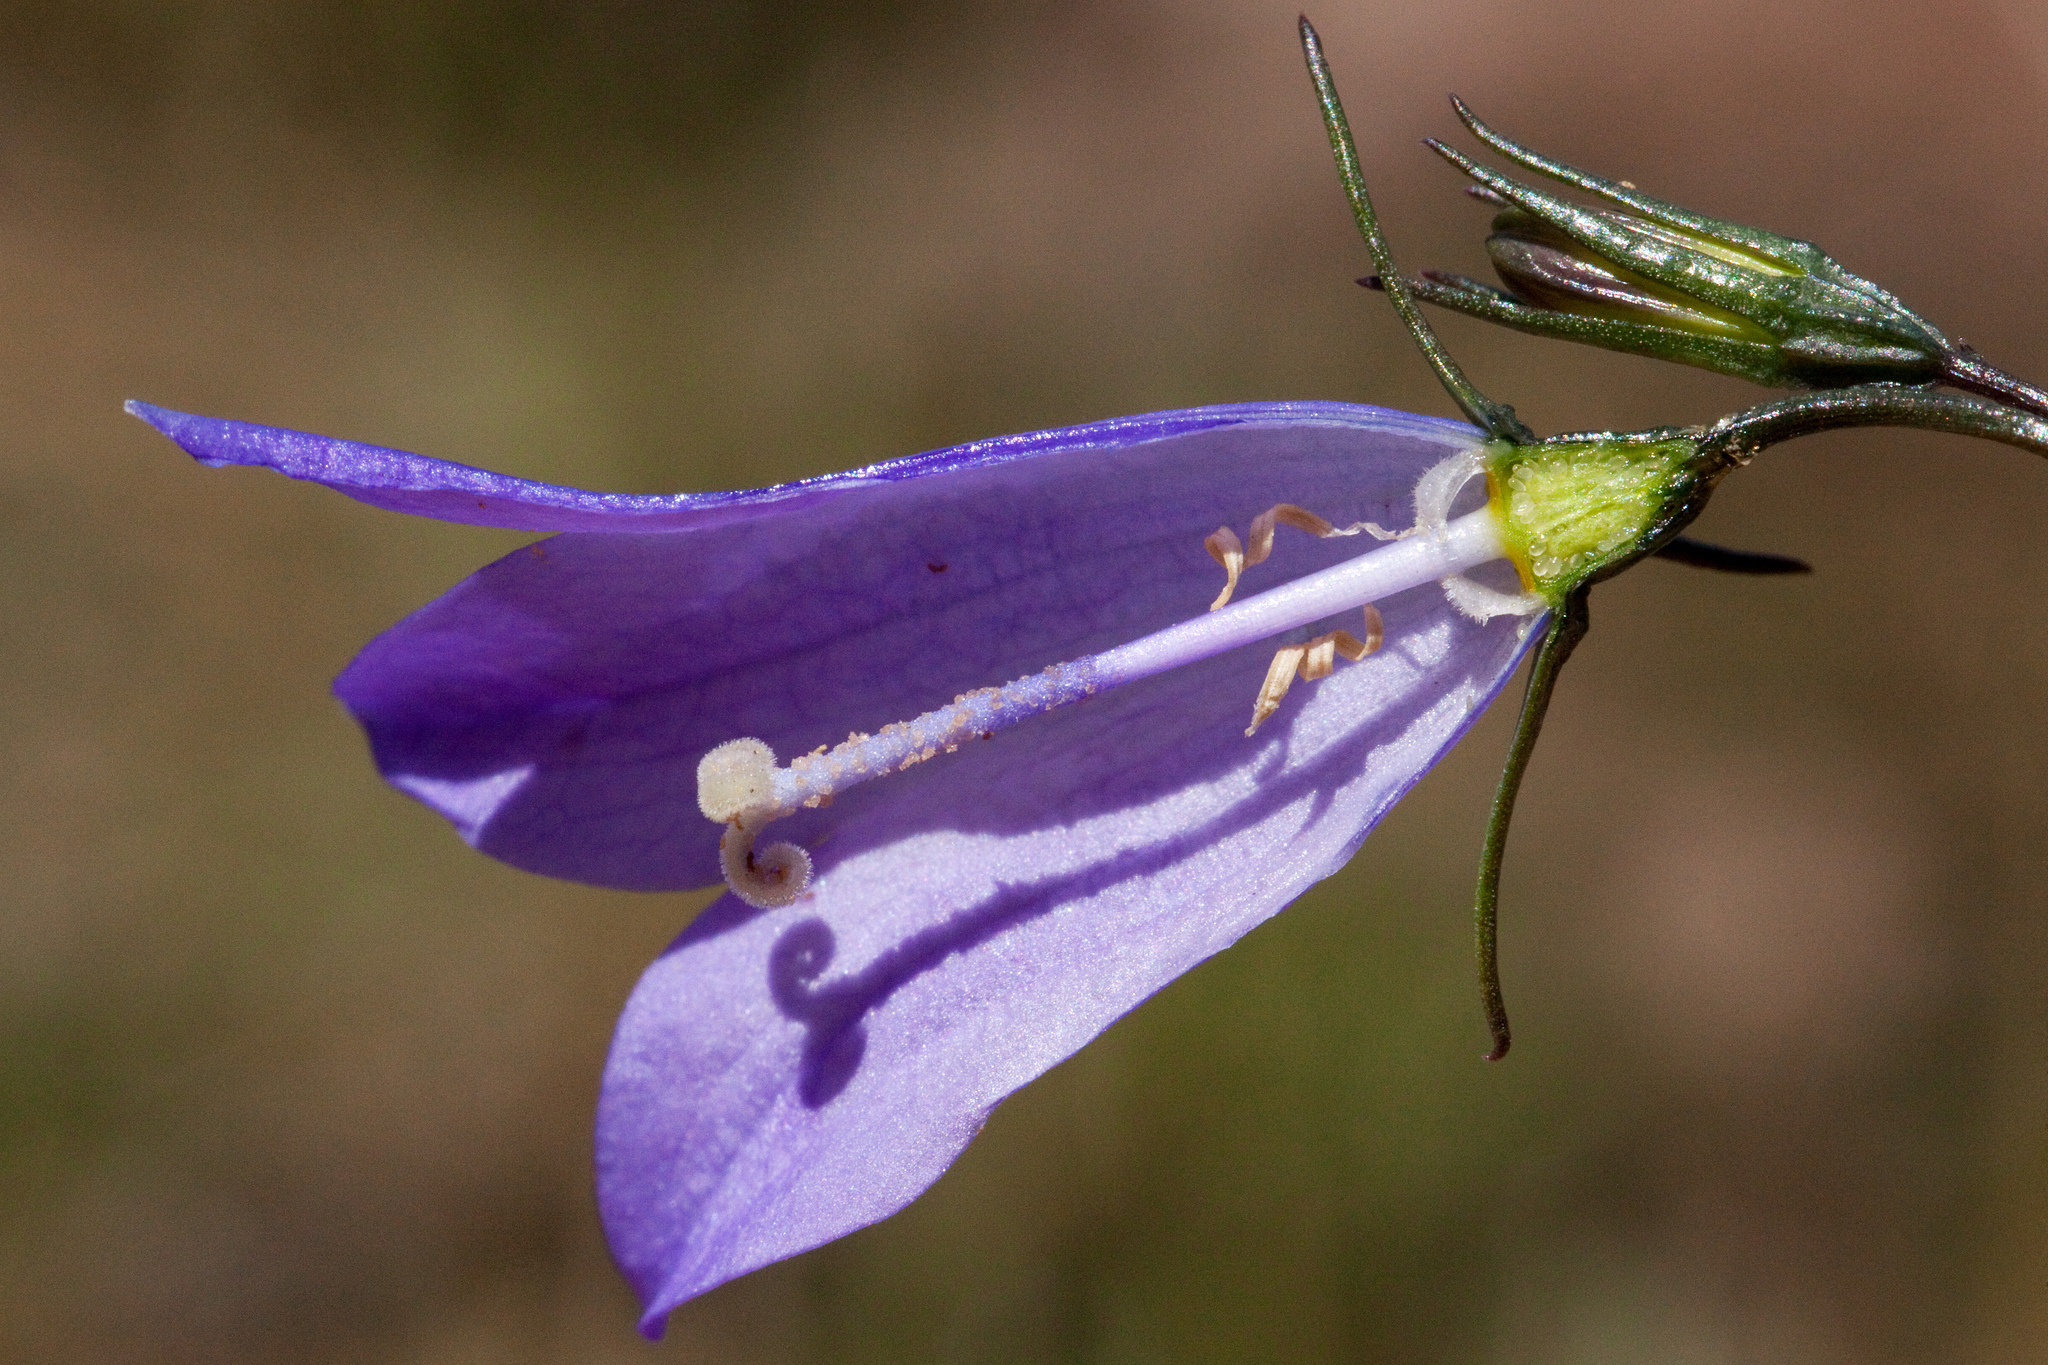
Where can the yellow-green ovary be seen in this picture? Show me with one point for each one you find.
(1570, 509)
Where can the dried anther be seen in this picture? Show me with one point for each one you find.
(1235, 557)
(1313, 661)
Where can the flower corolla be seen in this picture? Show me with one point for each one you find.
(794, 1067)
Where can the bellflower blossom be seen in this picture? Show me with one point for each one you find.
(992, 703)
(783, 1076)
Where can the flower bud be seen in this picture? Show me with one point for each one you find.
(1648, 277)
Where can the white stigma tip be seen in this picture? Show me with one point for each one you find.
(736, 777)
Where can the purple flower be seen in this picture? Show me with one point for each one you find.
(782, 1076)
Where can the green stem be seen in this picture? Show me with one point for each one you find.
(1736, 438)
(1497, 420)
(1967, 370)
(1567, 628)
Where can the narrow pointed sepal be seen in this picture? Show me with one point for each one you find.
(1496, 419)
(1567, 628)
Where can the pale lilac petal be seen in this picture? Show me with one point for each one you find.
(554, 706)
(781, 1078)
(400, 481)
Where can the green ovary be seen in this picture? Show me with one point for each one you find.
(1569, 510)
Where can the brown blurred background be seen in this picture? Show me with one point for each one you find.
(288, 1074)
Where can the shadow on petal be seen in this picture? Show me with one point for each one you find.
(833, 1014)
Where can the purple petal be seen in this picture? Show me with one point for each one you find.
(400, 481)
(780, 1078)
(554, 706)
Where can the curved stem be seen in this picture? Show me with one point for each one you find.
(1965, 369)
(1735, 438)
(1495, 419)
(1567, 628)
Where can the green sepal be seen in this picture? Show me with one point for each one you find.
(1757, 361)
(1497, 420)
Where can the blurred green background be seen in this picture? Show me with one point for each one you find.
(289, 1074)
